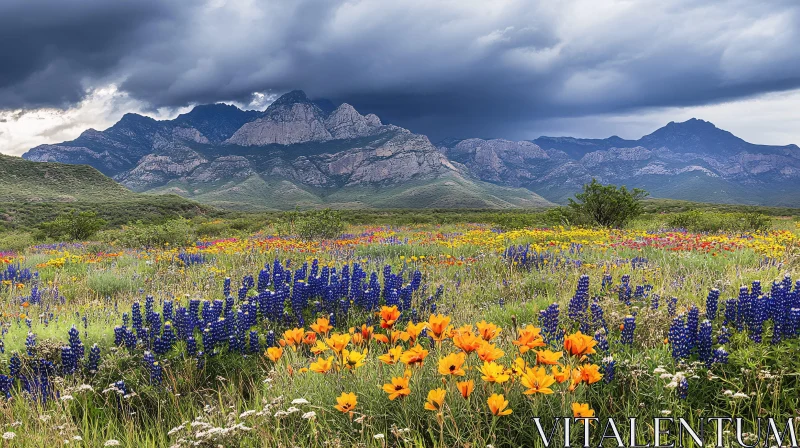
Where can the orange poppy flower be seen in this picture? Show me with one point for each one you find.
(488, 352)
(487, 331)
(582, 410)
(537, 381)
(591, 373)
(274, 353)
(579, 344)
(452, 364)
(467, 341)
(392, 356)
(322, 365)
(529, 338)
(497, 404)
(438, 325)
(293, 337)
(397, 388)
(322, 326)
(493, 373)
(414, 356)
(389, 315)
(346, 402)
(548, 357)
(435, 400)
(337, 342)
(466, 387)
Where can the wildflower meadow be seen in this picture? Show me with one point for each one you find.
(434, 335)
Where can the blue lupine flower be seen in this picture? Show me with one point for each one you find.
(94, 359)
(711, 304)
(724, 336)
(629, 325)
(683, 388)
(704, 341)
(678, 339)
(609, 369)
(692, 326)
(672, 305)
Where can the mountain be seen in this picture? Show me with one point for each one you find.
(32, 192)
(693, 160)
(296, 152)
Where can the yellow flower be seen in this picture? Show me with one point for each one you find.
(452, 364)
(466, 387)
(488, 352)
(293, 337)
(537, 381)
(322, 365)
(561, 374)
(497, 404)
(346, 402)
(493, 373)
(414, 330)
(353, 359)
(548, 357)
(392, 356)
(582, 410)
(274, 353)
(488, 331)
(397, 388)
(435, 400)
(467, 341)
(337, 342)
(414, 356)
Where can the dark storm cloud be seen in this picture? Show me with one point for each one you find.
(53, 51)
(464, 68)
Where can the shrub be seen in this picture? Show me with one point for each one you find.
(608, 205)
(314, 224)
(177, 232)
(72, 226)
(699, 221)
(15, 241)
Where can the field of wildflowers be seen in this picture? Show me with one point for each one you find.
(409, 336)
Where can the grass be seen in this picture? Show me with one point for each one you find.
(97, 283)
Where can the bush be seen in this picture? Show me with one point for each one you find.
(310, 225)
(72, 227)
(607, 205)
(699, 221)
(15, 241)
(177, 232)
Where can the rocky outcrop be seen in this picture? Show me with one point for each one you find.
(284, 124)
(346, 122)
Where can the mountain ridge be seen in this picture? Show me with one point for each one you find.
(294, 140)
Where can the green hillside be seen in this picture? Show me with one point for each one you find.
(256, 194)
(34, 192)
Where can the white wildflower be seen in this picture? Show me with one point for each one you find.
(246, 414)
(740, 395)
(8, 435)
(309, 415)
(67, 397)
(659, 370)
(77, 438)
(666, 376)
(300, 401)
(671, 385)
(111, 442)
(378, 436)
(281, 414)
(728, 392)
(292, 410)
(666, 412)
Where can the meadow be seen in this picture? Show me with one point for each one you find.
(395, 335)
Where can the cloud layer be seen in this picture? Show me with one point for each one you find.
(445, 68)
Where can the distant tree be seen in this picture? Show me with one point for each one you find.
(608, 205)
(72, 226)
(311, 225)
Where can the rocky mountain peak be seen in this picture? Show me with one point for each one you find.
(293, 97)
(346, 122)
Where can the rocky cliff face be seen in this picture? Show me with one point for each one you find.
(293, 140)
(692, 160)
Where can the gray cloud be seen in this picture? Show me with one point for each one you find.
(468, 68)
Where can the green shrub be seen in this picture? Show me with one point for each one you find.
(177, 232)
(72, 226)
(15, 241)
(108, 284)
(310, 225)
(700, 221)
(210, 229)
(607, 205)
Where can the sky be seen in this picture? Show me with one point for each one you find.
(469, 68)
